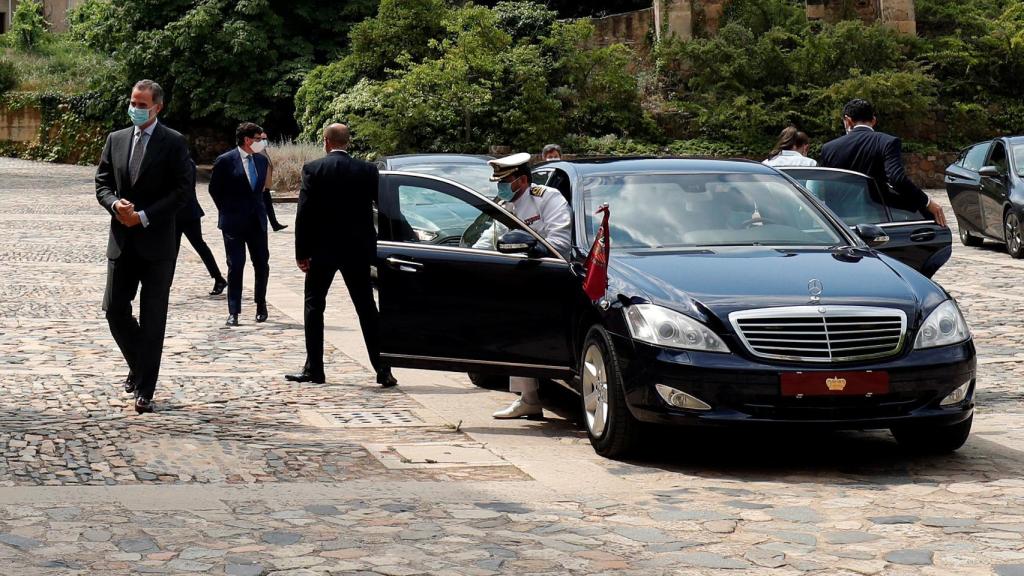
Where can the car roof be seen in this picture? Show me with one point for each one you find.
(396, 162)
(644, 164)
(1015, 140)
(788, 169)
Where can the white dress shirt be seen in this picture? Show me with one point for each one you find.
(790, 158)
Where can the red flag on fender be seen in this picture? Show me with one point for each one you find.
(595, 283)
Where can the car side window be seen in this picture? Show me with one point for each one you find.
(425, 211)
(999, 159)
(975, 157)
(852, 199)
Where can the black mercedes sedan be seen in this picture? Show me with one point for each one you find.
(986, 188)
(734, 298)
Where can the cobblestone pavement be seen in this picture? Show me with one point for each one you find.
(243, 473)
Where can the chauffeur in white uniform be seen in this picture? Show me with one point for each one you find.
(545, 211)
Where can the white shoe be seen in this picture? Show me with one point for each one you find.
(518, 409)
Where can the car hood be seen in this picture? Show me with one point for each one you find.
(717, 282)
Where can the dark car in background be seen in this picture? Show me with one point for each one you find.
(986, 188)
(734, 298)
(435, 220)
(914, 237)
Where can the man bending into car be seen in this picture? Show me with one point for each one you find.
(545, 211)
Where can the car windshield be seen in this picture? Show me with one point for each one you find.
(474, 176)
(1018, 159)
(705, 210)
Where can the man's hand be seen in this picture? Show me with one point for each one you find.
(303, 265)
(937, 213)
(123, 208)
(132, 220)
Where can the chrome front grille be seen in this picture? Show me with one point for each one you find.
(821, 333)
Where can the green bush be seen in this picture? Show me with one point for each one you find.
(8, 76)
(28, 28)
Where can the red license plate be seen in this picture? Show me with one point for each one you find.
(834, 383)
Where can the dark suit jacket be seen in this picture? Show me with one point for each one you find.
(879, 156)
(160, 191)
(237, 202)
(335, 212)
(192, 210)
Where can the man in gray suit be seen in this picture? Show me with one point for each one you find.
(142, 180)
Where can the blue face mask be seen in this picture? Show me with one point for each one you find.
(505, 191)
(138, 116)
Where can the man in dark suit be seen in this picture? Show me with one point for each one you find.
(877, 155)
(189, 224)
(142, 180)
(334, 231)
(236, 186)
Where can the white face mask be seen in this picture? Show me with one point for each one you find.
(259, 146)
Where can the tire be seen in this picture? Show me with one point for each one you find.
(613, 431)
(489, 381)
(968, 239)
(1012, 233)
(934, 439)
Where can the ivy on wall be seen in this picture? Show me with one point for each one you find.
(72, 131)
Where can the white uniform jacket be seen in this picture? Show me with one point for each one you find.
(543, 209)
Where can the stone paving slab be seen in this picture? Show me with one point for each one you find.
(245, 473)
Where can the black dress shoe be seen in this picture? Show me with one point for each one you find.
(261, 314)
(129, 383)
(144, 405)
(278, 227)
(386, 379)
(232, 320)
(218, 287)
(305, 377)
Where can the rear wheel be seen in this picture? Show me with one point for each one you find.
(934, 439)
(489, 381)
(968, 239)
(613, 431)
(1012, 231)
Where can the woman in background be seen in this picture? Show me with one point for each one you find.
(791, 150)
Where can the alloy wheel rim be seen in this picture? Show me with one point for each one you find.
(1013, 240)
(595, 390)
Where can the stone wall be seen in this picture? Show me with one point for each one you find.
(21, 125)
(928, 170)
(631, 28)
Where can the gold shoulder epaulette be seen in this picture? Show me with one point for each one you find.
(537, 190)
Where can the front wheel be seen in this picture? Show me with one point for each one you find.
(934, 439)
(1012, 231)
(613, 431)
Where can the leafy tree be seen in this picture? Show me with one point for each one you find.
(221, 61)
(506, 75)
(28, 27)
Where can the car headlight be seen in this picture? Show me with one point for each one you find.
(944, 326)
(664, 327)
(425, 235)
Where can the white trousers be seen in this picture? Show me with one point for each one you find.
(523, 385)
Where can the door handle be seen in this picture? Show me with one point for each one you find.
(923, 236)
(403, 265)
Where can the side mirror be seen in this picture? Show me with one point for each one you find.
(990, 172)
(873, 235)
(519, 242)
